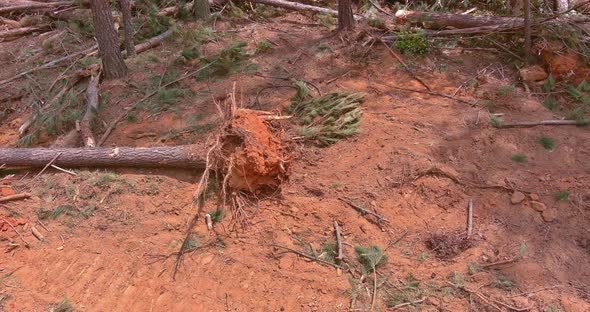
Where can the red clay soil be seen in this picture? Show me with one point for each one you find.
(256, 155)
(110, 246)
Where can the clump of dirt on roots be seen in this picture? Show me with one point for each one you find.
(256, 161)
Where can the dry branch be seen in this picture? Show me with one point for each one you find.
(361, 209)
(92, 107)
(295, 6)
(34, 6)
(307, 256)
(435, 94)
(14, 197)
(542, 123)
(187, 156)
(17, 32)
(469, 218)
(340, 255)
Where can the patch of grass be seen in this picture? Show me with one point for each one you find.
(150, 57)
(225, 62)
(473, 268)
(577, 114)
(507, 90)
(165, 99)
(132, 118)
(63, 306)
(370, 257)
(522, 249)
(520, 158)
(216, 215)
(408, 293)
(547, 142)
(191, 53)
(503, 282)
(422, 257)
(458, 279)
(191, 242)
(550, 103)
(495, 121)
(263, 46)
(561, 195)
(412, 43)
(44, 213)
(329, 252)
(325, 20)
(549, 84)
(377, 23)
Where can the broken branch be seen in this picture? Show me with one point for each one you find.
(363, 210)
(14, 197)
(307, 256)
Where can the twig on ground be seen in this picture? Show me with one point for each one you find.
(363, 210)
(64, 170)
(14, 197)
(337, 77)
(534, 291)
(308, 256)
(485, 266)
(469, 218)
(406, 67)
(340, 255)
(542, 123)
(132, 107)
(405, 304)
(43, 226)
(380, 9)
(501, 46)
(46, 166)
(435, 94)
(37, 234)
(16, 231)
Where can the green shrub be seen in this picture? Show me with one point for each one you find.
(410, 43)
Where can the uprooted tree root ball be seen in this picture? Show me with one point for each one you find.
(247, 159)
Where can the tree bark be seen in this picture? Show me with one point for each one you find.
(108, 43)
(434, 20)
(201, 10)
(92, 107)
(345, 17)
(187, 156)
(527, 31)
(127, 26)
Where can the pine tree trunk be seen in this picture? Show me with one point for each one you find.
(527, 31)
(345, 17)
(187, 156)
(127, 26)
(201, 10)
(108, 43)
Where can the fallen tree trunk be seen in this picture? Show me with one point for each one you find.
(17, 32)
(187, 156)
(436, 20)
(34, 6)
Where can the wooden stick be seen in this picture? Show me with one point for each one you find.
(64, 170)
(91, 108)
(17, 233)
(363, 210)
(34, 5)
(405, 66)
(535, 291)
(17, 32)
(14, 197)
(500, 263)
(308, 256)
(469, 218)
(543, 123)
(37, 234)
(501, 46)
(340, 255)
(143, 99)
(47, 166)
(435, 94)
(401, 305)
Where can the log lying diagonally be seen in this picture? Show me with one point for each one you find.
(186, 156)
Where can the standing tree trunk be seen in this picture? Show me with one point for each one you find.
(345, 17)
(527, 31)
(201, 10)
(127, 27)
(108, 42)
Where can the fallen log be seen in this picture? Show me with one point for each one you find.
(14, 197)
(187, 156)
(17, 32)
(295, 6)
(528, 124)
(34, 6)
(436, 20)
